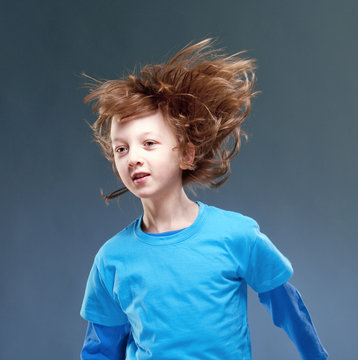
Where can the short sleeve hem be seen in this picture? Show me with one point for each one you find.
(100, 319)
(276, 282)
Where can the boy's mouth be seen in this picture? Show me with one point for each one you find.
(140, 175)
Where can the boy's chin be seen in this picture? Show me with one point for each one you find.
(143, 195)
(147, 196)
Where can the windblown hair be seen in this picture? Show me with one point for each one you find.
(203, 94)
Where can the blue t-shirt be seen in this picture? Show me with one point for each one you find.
(184, 294)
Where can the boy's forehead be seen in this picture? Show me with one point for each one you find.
(141, 115)
(136, 126)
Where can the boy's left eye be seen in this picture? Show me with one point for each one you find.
(149, 143)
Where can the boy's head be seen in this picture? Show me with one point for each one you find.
(202, 95)
(146, 156)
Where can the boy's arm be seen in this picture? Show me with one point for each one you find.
(105, 342)
(288, 312)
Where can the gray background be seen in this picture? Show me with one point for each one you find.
(296, 176)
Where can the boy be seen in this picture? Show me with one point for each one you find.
(173, 283)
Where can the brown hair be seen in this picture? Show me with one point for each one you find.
(203, 94)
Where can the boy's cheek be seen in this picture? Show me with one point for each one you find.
(115, 169)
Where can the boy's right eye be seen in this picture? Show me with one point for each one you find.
(120, 149)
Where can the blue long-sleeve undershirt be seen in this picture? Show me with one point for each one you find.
(105, 342)
(287, 311)
(283, 303)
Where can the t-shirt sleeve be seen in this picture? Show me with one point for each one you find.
(99, 305)
(267, 267)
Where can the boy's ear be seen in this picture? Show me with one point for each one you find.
(188, 157)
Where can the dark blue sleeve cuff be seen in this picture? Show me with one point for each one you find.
(105, 342)
(287, 310)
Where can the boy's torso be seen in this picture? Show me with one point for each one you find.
(184, 297)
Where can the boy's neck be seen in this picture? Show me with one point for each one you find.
(175, 213)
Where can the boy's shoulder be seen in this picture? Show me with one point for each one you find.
(231, 217)
(117, 242)
(233, 228)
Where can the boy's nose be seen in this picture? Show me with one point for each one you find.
(133, 163)
(134, 159)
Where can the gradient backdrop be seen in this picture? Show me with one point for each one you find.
(297, 175)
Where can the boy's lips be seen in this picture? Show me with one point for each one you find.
(139, 175)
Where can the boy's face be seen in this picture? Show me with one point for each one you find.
(144, 156)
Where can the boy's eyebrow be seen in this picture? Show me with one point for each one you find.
(142, 135)
(116, 139)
